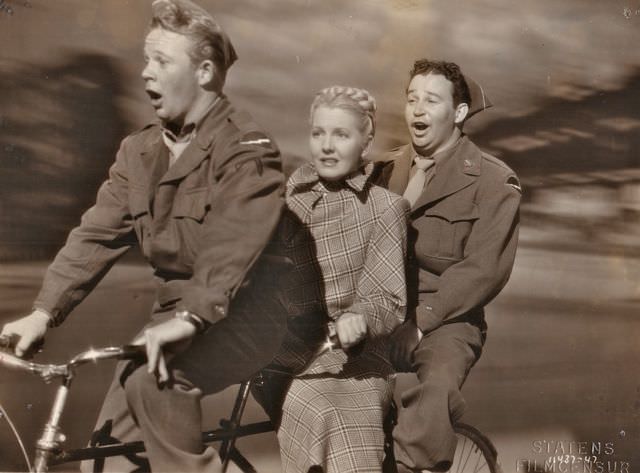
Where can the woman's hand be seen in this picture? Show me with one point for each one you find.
(28, 331)
(351, 329)
(157, 338)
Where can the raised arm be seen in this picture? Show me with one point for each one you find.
(104, 234)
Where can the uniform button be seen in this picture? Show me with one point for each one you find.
(467, 163)
(429, 307)
(220, 309)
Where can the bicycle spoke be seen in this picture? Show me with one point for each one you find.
(4, 414)
(466, 460)
(477, 468)
(459, 454)
(466, 451)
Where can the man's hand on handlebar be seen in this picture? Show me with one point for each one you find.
(28, 331)
(351, 329)
(174, 334)
(404, 341)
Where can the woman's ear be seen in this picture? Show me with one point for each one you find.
(366, 148)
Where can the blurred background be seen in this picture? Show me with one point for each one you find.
(561, 361)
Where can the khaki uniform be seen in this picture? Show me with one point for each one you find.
(202, 225)
(462, 241)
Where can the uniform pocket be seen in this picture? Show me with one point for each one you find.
(443, 230)
(193, 204)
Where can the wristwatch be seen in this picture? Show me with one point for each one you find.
(193, 319)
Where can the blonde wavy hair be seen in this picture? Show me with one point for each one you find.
(358, 101)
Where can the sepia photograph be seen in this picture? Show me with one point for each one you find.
(305, 236)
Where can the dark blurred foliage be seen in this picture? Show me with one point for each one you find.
(59, 130)
(577, 156)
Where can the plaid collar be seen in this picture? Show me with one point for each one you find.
(306, 178)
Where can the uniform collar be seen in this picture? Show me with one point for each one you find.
(455, 172)
(197, 150)
(443, 155)
(188, 130)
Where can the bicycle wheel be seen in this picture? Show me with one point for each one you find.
(475, 453)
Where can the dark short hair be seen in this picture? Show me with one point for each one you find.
(186, 18)
(451, 71)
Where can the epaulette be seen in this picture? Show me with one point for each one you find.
(496, 161)
(387, 157)
(144, 128)
(248, 131)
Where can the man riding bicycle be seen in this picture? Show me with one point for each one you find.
(463, 237)
(200, 192)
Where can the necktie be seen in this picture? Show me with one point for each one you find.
(417, 182)
(176, 145)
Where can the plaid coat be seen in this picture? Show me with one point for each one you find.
(347, 242)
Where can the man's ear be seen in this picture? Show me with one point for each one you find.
(207, 74)
(461, 113)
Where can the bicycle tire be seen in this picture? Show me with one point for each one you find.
(475, 452)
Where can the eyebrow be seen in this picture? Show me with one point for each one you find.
(153, 52)
(432, 94)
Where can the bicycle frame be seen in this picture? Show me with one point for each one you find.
(49, 449)
(228, 433)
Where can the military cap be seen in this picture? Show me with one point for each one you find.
(479, 99)
(186, 17)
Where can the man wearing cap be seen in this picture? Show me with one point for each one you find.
(200, 192)
(463, 237)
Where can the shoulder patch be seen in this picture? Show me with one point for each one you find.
(514, 183)
(256, 138)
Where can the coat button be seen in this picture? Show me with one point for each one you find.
(220, 309)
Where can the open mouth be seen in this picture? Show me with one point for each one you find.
(154, 96)
(419, 126)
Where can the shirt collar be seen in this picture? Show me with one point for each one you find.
(189, 130)
(306, 176)
(440, 156)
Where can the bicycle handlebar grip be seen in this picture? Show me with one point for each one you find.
(332, 336)
(131, 352)
(11, 361)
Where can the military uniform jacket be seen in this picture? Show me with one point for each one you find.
(463, 232)
(201, 223)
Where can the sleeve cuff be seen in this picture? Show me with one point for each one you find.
(428, 317)
(206, 304)
(53, 322)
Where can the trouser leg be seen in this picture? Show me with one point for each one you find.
(168, 418)
(424, 437)
(115, 425)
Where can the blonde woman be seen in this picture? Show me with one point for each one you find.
(346, 238)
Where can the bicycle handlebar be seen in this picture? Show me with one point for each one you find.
(51, 371)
